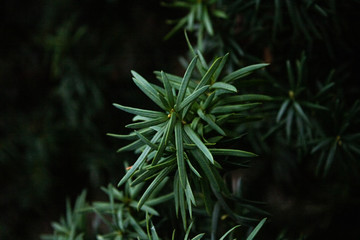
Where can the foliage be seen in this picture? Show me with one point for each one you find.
(262, 122)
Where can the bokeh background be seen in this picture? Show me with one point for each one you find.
(62, 65)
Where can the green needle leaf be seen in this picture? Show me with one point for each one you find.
(159, 178)
(191, 98)
(149, 123)
(186, 80)
(140, 160)
(180, 154)
(282, 110)
(209, 73)
(231, 152)
(146, 141)
(164, 141)
(224, 86)
(194, 137)
(212, 124)
(146, 88)
(301, 112)
(256, 230)
(132, 146)
(234, 108)
(131, 136)
(228, 232)
(242, 72)
(168, 89)
(207, 21)
(141, 112)
(220, 67)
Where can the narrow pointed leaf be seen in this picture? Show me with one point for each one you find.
(330, 158)
(168, 89)
(207, 21)
(149, 123)
(180, 154)
(177, 27)
(202, 60)
(193, 169)
(145, 140)
(301, 112)
(159, 200)
(204, 165)
(256, 229)
(195, 139)
(137, 227)
(175, 81)
(176, 193)
(191, 98)
(182, 205)
(314, 106)
(130, 147)
(159, 178)
(209, 73)
(165, 139)
(220, 67)
(283, 107)
(231, 152)
(138, 111)
(224, 86)
(140, 160)
(228, 232)
(186, 80)
(131, 136)
(246, 98)
(242, 72)
(198, 237)
(234, 108)
(146, 88)
(212, 124)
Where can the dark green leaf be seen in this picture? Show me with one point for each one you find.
(228, 232)
(148, 123)
(186, 80)
(231, 152)
(246, 98)
(132, 146)
(141, 112)
(220, 67)
(191, 98)
(207, 21)
(234, 108)
(195, 139)
(283, 107)
(243, 72)
(256, 229)
(301, 112)
(164, 141)
(212, 124)
(224, 86)
(159, 178)
(145, 140)
(140, 160)
(146, 88)
(168, 89)
(180, 154)
(209, 73)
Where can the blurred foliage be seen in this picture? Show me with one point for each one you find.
(63, 63)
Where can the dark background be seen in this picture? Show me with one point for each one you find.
(62, 65)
